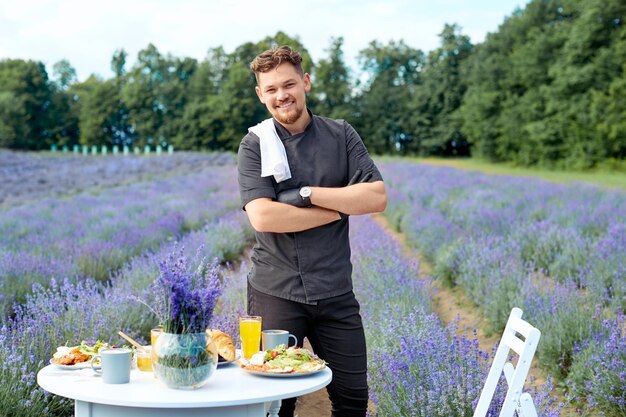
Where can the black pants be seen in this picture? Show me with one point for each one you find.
(335, 331)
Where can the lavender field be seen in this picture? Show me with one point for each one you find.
(33, 176)
(76, 260)
(556, 251)
(92, 233)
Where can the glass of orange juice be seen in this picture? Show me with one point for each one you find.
(154, 335)
(250, 334)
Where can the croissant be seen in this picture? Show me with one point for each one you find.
(224, 344)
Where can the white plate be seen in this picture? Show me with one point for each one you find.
(81, 365)
(237, 356)
(290, 375)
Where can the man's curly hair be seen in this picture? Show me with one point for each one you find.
(270, 59)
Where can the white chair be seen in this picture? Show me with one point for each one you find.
(515, 400)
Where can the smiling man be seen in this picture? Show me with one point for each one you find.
(301, 276)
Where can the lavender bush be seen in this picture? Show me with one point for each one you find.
(599, 374)
(64, 313)
(608, 267)
(558, 226)
(93, 235)
(417, 367)
(423, 370)
(383, 275)
(564, 318)
(217, 240)
(555, 250)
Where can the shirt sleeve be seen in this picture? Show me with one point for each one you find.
(251, 184)
(358, 157)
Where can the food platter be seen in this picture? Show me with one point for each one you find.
(284, 375)
(75, 367)
(71, 358)
(283, 362)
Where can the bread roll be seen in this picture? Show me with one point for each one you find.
(224, 344)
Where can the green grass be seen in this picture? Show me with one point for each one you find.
(612, 179)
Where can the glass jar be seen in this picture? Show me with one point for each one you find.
(184, 361)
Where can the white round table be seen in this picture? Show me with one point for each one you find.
(230, 392)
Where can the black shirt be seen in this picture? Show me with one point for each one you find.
(313, 264)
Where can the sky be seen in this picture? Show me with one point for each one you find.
(87, 33)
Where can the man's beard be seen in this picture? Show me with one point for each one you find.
(290, 117)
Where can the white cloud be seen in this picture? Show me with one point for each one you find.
(87, 33)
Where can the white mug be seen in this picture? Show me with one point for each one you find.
(114, 365)
(272, 338)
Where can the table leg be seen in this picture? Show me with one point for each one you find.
(274, 408)
(83, 409)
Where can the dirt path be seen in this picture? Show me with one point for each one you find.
(448, 304)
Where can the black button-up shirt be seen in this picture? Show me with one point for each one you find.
(313, 264)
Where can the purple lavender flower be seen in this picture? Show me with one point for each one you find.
(92, 235)
(186, 298)
(599, 371)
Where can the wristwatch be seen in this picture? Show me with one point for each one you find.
(305, 194)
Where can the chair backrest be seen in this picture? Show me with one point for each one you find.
(515, 399)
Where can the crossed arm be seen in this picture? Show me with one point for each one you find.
(267, 215)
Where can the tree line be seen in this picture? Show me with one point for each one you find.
(546, 89)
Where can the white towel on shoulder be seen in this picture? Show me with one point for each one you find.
(273, 156)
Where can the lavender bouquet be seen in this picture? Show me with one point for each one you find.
(184, 356)
(185, 296)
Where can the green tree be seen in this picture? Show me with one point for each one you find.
(64, 74)
(241, 107)
(25, 103)
(156, 95)
(202, 125)
(331, 86)
(121, 130)
(540, 87)
(609, 116)
(118, 64)
(201, 128)
(439, 96)
(393, 73)
(589, 64)
(99, 111)
(64, 112)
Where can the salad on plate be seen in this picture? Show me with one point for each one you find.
(283, 360)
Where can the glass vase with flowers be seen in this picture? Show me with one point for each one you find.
(184, 356)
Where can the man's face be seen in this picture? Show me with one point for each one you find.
(283, 91)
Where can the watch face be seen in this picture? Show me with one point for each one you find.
(305, 192)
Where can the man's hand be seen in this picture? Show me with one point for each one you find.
(291, 197)
(358, 177)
